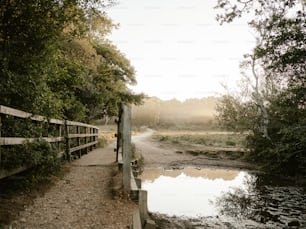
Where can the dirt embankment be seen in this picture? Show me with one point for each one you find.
(157, 154)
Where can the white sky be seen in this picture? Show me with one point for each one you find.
(177, 47)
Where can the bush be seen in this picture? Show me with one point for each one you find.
(39, 154)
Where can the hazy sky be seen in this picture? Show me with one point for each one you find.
(177, 47)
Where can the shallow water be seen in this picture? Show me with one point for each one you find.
(232, 196)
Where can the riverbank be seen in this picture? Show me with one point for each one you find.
(165, 149)
(264, 203)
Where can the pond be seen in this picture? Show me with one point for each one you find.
(233, 197)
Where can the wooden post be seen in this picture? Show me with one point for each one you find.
(0, 144)
(121, 128)
(67, 148)
(116, 150)
(143, 206)
(60, 135)
(126, 148)
(85, 139)
(96, 137)
(91, 138)
(119, 131)
(79, 140)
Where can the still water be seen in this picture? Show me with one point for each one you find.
(229, 195)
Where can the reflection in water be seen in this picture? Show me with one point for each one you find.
(188, 192)
(151, 174)
(270, 205)
(228, 195)
(238, 201)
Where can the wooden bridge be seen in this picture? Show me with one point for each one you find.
(71, 140)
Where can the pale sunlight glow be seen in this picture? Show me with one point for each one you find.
(178, 48)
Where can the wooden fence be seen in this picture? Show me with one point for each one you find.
(72, 138)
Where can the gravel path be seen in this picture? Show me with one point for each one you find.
(81, 199)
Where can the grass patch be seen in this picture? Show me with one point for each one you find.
(211, 139)
(102, 142)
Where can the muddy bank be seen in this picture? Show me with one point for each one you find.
(266, 203)
(157, 154)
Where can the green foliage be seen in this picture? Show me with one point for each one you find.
(12, 157)
(27, 38)
(39, 155)
(55, 60)
(281, 54)
(235, 115)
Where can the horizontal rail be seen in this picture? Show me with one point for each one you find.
(22, 114)
(10, 172)
(90, 131)
(19, 141)
(72, 123)
(82, 135)
(82, 146)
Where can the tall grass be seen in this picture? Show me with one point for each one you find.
(211, 139)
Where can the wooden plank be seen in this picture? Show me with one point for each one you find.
(6, 173)
(136, 219)
(82, 146)
(134, 186)
(54, 139)
(18, 113)
(67, 142)
(22, 114)
(0, 143)
(19, 141)
(81, 135)
(57, 121)
(72, 123)
(126, 148)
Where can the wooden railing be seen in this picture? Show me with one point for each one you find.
(72, 138)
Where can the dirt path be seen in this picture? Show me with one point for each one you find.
(158, 155)
(82, 199)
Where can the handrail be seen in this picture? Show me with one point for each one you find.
(89, 135)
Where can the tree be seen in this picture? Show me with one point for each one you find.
(28, 30)
(280, 54)
(56, 61)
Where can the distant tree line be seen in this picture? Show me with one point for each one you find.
(55, 59)
(192, 113)
(272, 100)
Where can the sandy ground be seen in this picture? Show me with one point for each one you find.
(167, 156)
(81, 199)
